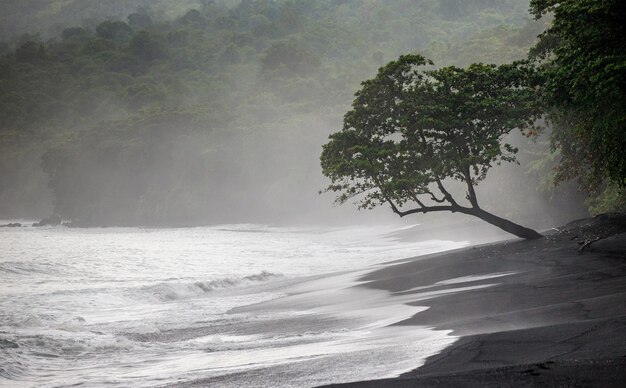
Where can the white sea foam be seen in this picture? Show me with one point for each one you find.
(475, 278)
(179, 290)
(140, 307)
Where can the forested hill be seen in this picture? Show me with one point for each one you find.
(189, 112)
(48, 18)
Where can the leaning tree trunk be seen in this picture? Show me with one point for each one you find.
(503, 224)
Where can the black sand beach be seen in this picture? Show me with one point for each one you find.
(556, 316)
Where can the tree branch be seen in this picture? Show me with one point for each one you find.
(414, 196)
(434, 198)
(445, 192)
(423, 210)
(471, 194)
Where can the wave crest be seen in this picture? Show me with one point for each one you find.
(176, 291)
(26, 267)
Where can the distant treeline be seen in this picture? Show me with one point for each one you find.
(165, 115)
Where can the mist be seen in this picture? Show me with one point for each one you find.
(198, 113)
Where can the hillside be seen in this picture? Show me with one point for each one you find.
(134, 115)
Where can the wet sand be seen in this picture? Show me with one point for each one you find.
(554, 315)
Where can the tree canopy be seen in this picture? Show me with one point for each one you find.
(412, 131)
(583, 59)
(166, 112)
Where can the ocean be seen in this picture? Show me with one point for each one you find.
(225, 306)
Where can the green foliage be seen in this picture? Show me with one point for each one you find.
(499, 45)
(411, 128)
(114, 30)
(30, 52)
(47, 17)
(289, 57)
(73, 33)
(260, 84)
(148, 47)
(606, 199)
(584, 63)
(138, 21)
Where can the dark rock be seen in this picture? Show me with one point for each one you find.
(11, 225)
(53, 220)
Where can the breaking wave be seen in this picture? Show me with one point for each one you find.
(173, 291)
(26, 268)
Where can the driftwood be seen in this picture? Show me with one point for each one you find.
(585, 243)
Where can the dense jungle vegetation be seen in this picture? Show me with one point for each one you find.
(190, 112)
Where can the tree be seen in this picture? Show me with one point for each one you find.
(148, 47)
(31, 52)
(138, 21)
(411, 132)
(584, 63)
(289, 56)
(114, 30)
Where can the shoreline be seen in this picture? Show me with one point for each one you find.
(552, 315)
